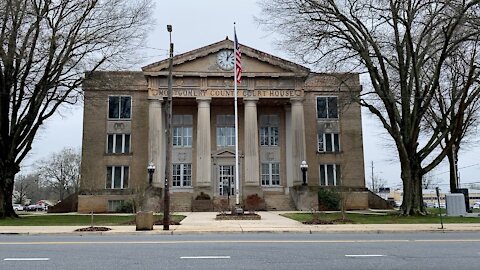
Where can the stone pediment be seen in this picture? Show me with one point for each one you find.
(203, 62)
(224, 153)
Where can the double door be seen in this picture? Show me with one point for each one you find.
(226, 180)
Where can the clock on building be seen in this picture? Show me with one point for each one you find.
(225, 59)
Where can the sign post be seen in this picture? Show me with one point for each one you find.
(439, 207)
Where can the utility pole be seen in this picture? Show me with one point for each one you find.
(373, 180)
(168, 161)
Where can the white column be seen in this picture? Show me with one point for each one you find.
(252, 171)
(204, 149)
(288, 151)
(155, 140)
(298, 138)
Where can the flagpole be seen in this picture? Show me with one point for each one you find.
(237, 180)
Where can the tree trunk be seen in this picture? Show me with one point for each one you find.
(412, 188)
(451, 155)
(7, 175)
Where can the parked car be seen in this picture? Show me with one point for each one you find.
(476, 205)
(34, 207)
(429, 204)
(442, 205)
(17, 207)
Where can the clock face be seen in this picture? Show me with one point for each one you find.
(225, 59)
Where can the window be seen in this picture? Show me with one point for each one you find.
(119, 107)
(328, 142)
(118, 143)
(114, 205)
(327, 107)
(182, 175)
(329, 174)
(225, 130)
(270, 174)
(182, 130)
(117, 177)
(269, 130)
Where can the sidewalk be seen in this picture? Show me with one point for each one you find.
(271, 222)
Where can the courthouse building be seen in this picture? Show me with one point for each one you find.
(286, 113)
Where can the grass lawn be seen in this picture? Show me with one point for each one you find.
(392, 218)
(75, 220)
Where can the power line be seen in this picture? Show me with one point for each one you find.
(458, 168)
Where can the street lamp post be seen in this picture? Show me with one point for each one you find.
(304, 168)
(150, 170)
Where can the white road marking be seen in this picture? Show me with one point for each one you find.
(26, 259)
(365, 255)
(205, 257)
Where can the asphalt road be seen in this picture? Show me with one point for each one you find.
(242, 251)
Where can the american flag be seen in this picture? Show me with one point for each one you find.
(238, 58)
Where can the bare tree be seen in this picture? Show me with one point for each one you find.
(404, 47)
(377, 183)
(455, 103)
(61, 172)
(20, 191)
(45, 48)
(429, 182)
(27, 187)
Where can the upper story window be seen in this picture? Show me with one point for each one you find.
(327, 107)
(328, 142)
(225, 130)
(182, 130)
(119, 107)
(269, 130)
(118, 143)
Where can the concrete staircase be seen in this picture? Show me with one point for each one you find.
(279, 202)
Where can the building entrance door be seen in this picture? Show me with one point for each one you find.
(226, 180)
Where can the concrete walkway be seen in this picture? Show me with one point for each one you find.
(272, 222)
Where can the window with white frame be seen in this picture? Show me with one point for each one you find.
(329, 174)
(117, 177)
(114, 205)
(119, 107)
(328, 142)
(118, 143)
(327, 107)
(182, 175)
(270, 174)
(269, 130)
(225, 130)
(182, 130)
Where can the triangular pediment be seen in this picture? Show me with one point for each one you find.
(226, 153)
(203, 62)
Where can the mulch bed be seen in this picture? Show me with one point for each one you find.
(318, 222)
(160, 222)
(104, 229)
(93, 229)
(329, 222)
(248, 216)
(156, 222)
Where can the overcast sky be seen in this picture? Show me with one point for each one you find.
(200, 23)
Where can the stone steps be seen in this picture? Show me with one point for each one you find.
(279, 202)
